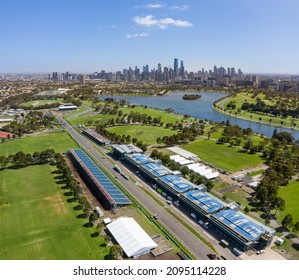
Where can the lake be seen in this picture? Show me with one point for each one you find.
(201, 109)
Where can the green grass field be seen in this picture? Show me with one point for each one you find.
(37, 222)
(59, 141)
(40, 102)
(240, 98)
(147, 134)
(222, 156)
(290, 194)
(165, 117)
(84, 119)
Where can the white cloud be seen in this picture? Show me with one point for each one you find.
(154, 6)
(163, 23)
(179, 8)
(151, 6)
(137, 35)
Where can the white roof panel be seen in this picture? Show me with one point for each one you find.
(130, 236)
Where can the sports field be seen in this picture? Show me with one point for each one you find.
(37, 222)
(222, 156)
(59, 141)
(147, 134)
(290, 194)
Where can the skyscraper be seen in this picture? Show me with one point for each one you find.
(176, 67)
(182, 69)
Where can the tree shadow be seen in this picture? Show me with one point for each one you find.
(109, 257)
(291, 236)
(95, 234)
(60, 182)
(280, 229)
(56, 172)
(59, 177)
(82, 216)
(88, 225)
(295, 246)
(68, 194)
(103, 245)
(70, 200)
(78, 207)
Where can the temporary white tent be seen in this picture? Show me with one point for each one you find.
(131, 237)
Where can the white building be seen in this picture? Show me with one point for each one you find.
(131, 237)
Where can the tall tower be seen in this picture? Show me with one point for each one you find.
(176, 67)
(182, 69)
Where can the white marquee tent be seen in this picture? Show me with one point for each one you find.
(131, 237)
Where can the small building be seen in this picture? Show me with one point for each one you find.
(107, 221)
(99, 212)
(6, 135)
(131, 237)
(67, 106)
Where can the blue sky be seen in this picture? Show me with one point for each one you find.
(85, 36)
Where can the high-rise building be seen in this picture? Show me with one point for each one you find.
(55, 76)
(176, 67)
(81, 79)
(182, 70)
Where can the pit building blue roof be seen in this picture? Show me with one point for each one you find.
(205, 201)
(156, 169)
(176, 183)
(241, 224)
(139, 158)
(111, 188)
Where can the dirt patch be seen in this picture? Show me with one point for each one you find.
(57, 203)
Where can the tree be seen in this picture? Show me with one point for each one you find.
(296, 227)
(287, 221)
(279, 204)
(154, 153)
(93, 217)
(284, 136)
(115, 251)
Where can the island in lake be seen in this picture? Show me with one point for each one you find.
(191, 96)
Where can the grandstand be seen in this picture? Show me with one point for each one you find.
(240, 229)
(108, 194)
(99, 139)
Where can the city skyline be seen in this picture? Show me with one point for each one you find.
(84, 37)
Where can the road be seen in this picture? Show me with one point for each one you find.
(185, 237)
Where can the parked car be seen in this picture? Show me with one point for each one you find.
(259, 252)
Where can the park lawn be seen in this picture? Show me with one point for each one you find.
(259, 118)
(147, 134)
(95, 119)
(38, 223)
(59, 141)
(40, 102)
(222, 156)
(290, 194)
(155, 113)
